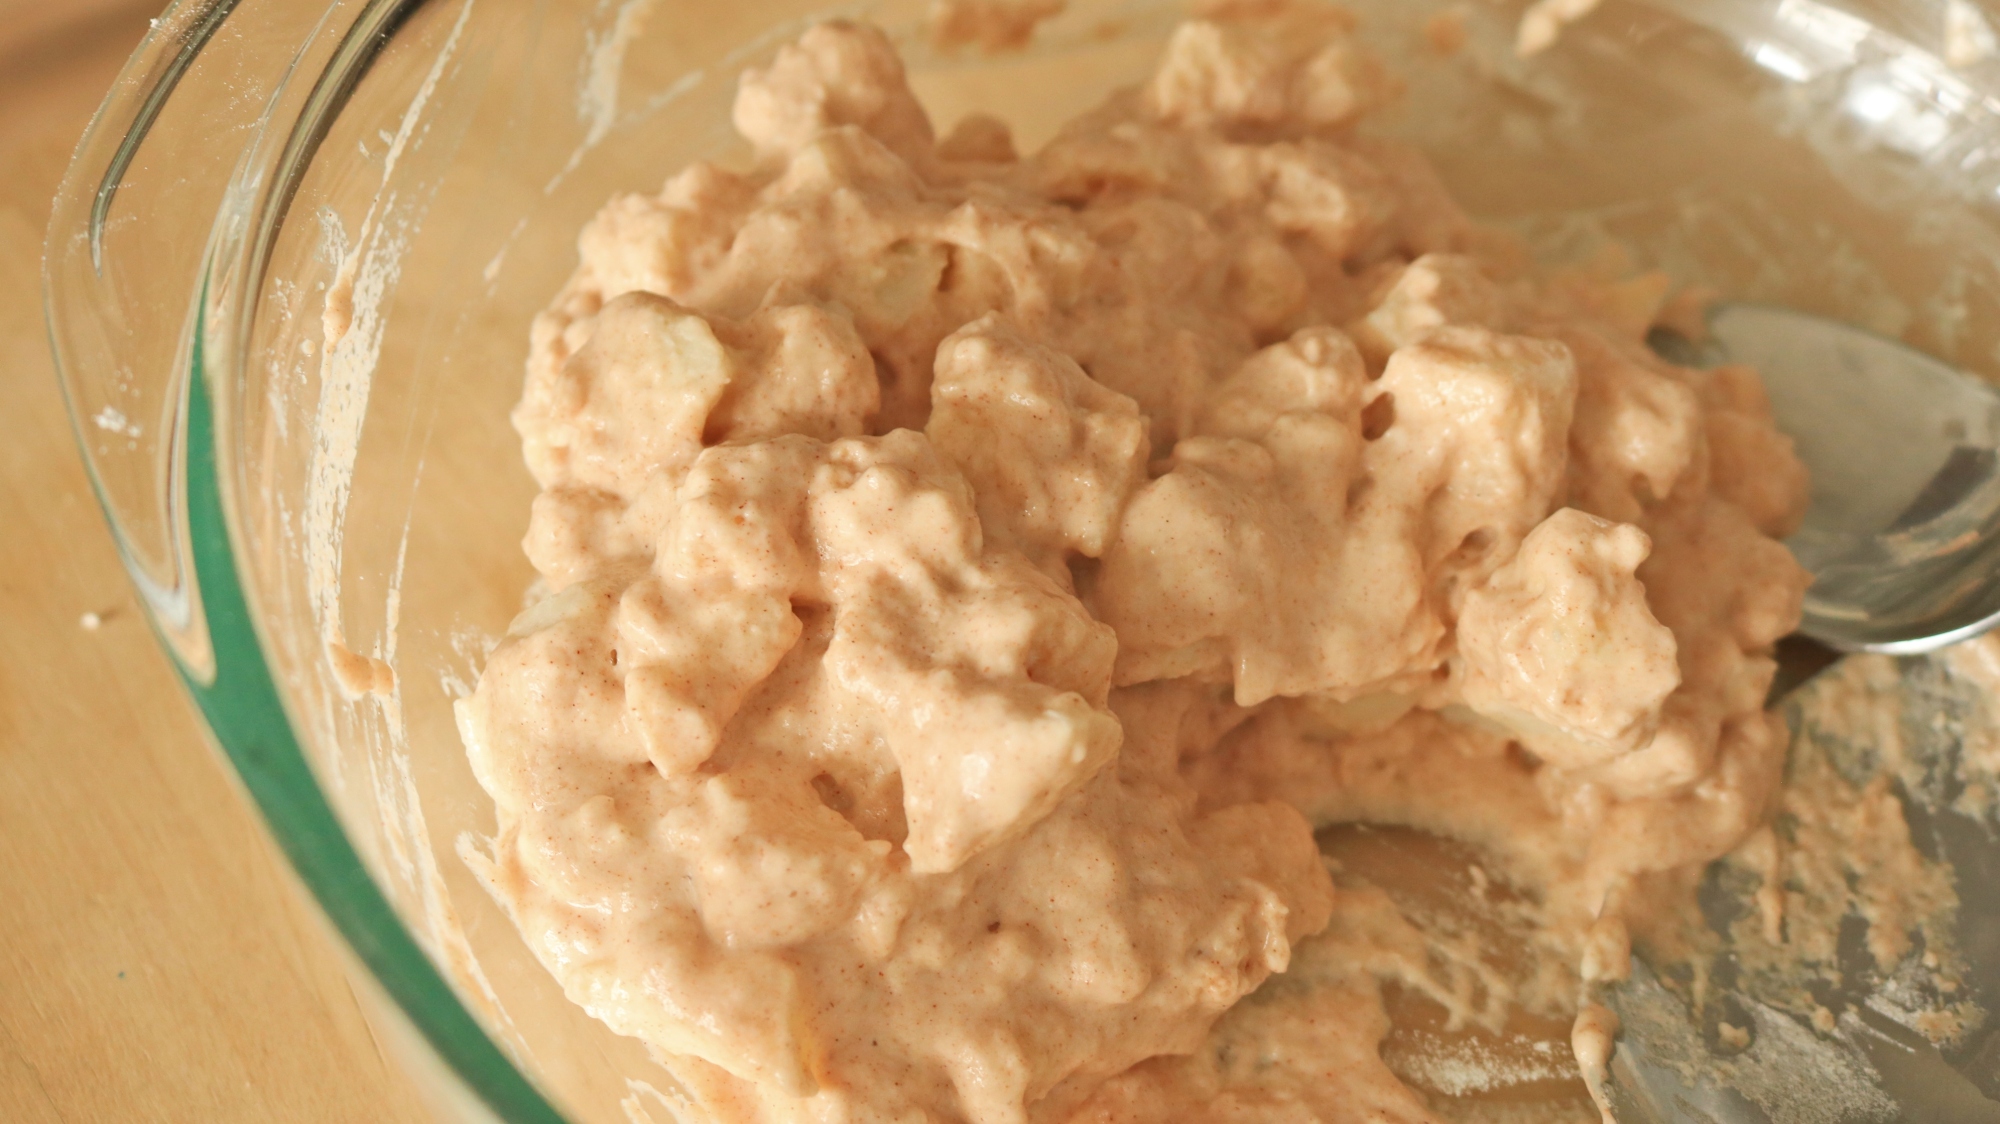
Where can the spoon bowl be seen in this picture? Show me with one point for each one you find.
(1904, 452)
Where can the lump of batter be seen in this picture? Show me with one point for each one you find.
(968, 580)
(1559, 644)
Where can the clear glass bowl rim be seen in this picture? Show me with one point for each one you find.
(219, 655)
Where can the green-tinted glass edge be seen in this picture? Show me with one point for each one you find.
(243, 709)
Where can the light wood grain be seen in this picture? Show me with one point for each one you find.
(157, 962)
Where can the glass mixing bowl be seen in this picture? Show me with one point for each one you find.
(327, 538)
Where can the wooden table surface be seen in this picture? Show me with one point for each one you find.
(157, 963)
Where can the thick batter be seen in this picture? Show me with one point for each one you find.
(969, 580)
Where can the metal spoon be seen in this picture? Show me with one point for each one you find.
(1904, 453)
